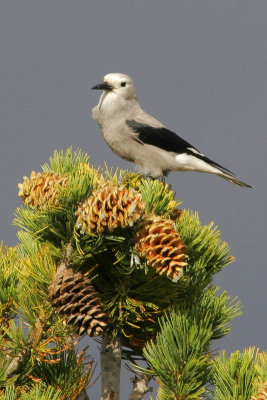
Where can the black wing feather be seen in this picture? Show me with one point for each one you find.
(168, 141)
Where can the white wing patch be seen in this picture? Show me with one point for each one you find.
(195, 151)
(187, 162)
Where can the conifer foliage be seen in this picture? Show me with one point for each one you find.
(111, 255)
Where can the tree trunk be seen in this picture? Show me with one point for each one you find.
(110, 356)
(140, 387)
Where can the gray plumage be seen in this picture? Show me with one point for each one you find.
(138, 137)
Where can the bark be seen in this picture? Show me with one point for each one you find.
(110, 356)
(16, 364)
(140, 387)
(83, 395)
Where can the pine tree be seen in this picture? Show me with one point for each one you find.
(110, 255)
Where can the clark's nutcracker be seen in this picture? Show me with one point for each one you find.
(136, 136)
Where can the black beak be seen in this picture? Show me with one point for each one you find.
(102, 86)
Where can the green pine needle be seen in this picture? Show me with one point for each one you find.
(207, 253)
(68, 371)
(65, 162)
(8, 280)
(178, 356)
(158, 197)
(39, 391)
(238, 376)
(221, 309)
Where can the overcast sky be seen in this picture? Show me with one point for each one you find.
(200, 67)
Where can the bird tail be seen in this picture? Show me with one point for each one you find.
(218, 170)
(233, 179)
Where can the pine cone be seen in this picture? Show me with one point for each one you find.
(42, 189)
(262, 393)
(175, 214)
(76, 299)
(158, 241)
(109, 208)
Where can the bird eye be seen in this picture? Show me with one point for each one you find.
(123, 84)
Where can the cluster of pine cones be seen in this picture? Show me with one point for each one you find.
(109, 207)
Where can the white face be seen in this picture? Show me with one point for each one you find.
(121, 84)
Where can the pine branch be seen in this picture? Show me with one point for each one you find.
(118, 279)
(239, 375)
(39, 391)
(179, 355)
(66, 370)
(65, 262)
(207, 253)
(140, 386)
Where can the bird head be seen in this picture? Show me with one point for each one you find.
(119, 84)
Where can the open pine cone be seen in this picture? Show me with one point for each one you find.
(42, 189)
(161, 245)
(262, 393)
(109, 208)
(75, 298)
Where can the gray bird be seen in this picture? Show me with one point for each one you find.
(138, 137)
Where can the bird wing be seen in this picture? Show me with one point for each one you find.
(168, 141)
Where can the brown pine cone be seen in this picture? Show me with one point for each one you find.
(262, 393)
(75, 298)
(161, 245)
(109, 208)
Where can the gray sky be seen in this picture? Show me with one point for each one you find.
(200, 67)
